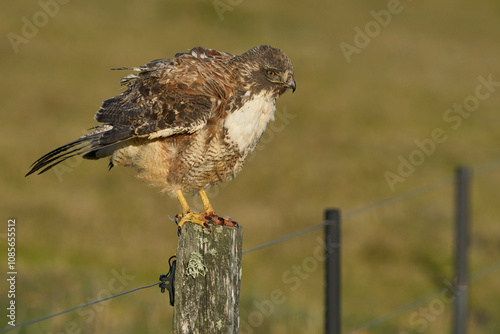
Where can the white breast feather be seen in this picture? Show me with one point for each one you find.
(246, 125)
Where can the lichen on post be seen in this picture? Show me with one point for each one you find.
(207, 280)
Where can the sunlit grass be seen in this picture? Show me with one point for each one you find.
(350, 124)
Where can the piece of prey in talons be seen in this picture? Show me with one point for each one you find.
(203, 219)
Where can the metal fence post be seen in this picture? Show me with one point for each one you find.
(462, 203)
(332, 271)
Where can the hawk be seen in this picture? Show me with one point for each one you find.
(188, 122)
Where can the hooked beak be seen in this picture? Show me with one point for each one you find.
(290, 83)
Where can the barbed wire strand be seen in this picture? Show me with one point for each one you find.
(286, 237)
(487, 167)
(394, 313)
(412, 193)
(390, 200)
(30, 322)
(479, 274)
(479, 170)
(482, 169)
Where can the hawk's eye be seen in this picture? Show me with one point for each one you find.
(270, 73)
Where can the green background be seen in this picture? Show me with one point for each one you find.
(331, 145)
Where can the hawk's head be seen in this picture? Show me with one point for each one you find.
(266, 68)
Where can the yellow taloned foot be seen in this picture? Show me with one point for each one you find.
(203, 219)
(192, 217)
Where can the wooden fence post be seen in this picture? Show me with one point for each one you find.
(207, 280)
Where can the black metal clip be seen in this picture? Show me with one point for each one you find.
(168, 280)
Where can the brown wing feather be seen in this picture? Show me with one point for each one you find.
(169, 94)
(166, 97)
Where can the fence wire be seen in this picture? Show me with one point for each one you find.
(488, 167)
(482, 169)
(375, 205)
(420, 301)
(31, 322)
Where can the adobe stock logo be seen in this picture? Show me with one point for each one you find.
(454, 118)
(116, 284)
(222, 6)
(31, 26)
(372, 29)
(422, 318)
(282, 119)
(292, 279)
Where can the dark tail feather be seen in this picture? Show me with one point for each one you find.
(88, 146)
(78, 147)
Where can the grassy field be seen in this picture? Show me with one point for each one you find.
(375, 81)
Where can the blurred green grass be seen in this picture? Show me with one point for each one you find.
(350, 123)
